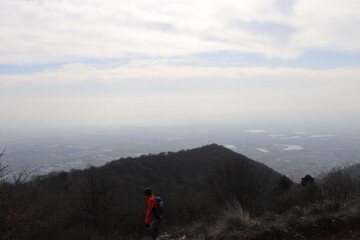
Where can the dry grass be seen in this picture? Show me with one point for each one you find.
(234, 208)
(234, 221)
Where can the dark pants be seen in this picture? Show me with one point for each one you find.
(154, 228)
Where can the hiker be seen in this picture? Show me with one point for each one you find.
(153, 218)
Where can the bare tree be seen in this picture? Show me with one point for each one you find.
(96, 201)
(18, 177)
(3, 168)
(2, 153)
(21, 176)
(3, 177)
(339, 184)
(4, 189)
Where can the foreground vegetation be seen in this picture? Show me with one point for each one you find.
(322, 220)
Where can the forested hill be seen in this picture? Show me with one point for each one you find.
(194, 183)
(212, 167)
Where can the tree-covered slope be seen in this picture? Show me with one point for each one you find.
(105, 200)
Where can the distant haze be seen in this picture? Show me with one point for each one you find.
(149, 63)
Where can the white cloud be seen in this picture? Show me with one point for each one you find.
(332, 25)
(59, 31)
(157, 35)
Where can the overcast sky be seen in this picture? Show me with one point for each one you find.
(119, 63)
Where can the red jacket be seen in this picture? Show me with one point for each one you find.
(152, 208)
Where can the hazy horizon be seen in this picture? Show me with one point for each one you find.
(343, 122)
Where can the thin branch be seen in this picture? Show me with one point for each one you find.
(2, 153)
(21, 176)
(3, 168)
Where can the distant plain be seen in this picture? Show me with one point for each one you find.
(294, 152)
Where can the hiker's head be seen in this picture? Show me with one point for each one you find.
(147, 191)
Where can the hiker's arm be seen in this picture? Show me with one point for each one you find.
(151, 204)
